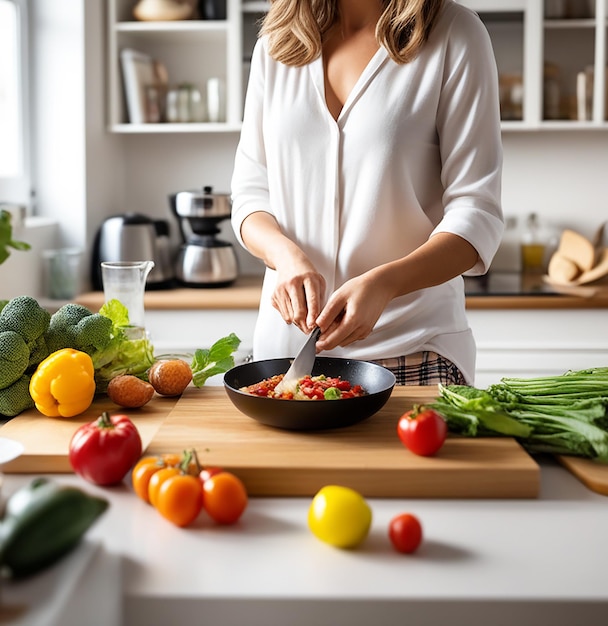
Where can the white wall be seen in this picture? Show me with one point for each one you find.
(77, 165)
(58, 112)
(562, 176)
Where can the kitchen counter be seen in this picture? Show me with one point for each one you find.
(244, 293)
(494, 291)
(482, 562)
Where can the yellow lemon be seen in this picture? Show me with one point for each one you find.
(339, 516)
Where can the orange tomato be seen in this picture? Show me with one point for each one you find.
(146, 467)
(224, 497)
(156, 481)
(179, 499)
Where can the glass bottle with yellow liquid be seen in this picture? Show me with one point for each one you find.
(533, 247)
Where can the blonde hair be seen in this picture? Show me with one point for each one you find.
(295, 28)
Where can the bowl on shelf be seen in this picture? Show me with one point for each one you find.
(377, 381)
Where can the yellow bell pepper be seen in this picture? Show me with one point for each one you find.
(63, 385)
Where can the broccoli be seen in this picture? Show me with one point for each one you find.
(61, 332)
(14, 357)
(16, 398)
(93, 333)
(38, 352)
(26, 317)
(75, 326)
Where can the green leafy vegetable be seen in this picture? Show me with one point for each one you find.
(564, 414)
(117, 312)
(129, 350)
(331, 393)
(217, 359)
(6, 237)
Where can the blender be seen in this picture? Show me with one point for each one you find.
(203, 259)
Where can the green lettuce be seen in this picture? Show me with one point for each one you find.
(130, 350)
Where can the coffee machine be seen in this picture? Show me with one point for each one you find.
(203, 259)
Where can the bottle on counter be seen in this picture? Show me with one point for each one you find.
(533, 247)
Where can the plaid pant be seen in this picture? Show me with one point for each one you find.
(423, 368)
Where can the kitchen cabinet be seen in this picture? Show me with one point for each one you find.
(192, 51)
(537, 342)
(540, 51)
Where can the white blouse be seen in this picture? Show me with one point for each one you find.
(415, 151)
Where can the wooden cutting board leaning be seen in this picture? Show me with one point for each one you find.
(591, 474)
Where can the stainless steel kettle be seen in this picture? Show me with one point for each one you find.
(134, 237)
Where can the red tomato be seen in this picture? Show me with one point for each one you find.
(224, 497)
(422, 430)
(103, 451)
(208, 472)
(405, 533)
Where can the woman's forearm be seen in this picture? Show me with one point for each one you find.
(264, 239)
(443, 257)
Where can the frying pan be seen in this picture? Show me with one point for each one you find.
(377, 381)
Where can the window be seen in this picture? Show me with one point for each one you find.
(14, 165)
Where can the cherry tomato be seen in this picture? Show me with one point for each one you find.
(103, 451)
(156, 481)
(208, 472)
(224, 497)
(339, 516)
(405, 533)
(146, 467)
(422, 430)
(179, 498)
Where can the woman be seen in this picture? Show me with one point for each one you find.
(367, 178)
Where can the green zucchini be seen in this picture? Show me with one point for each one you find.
(47, 524)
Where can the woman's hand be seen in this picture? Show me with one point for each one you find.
(300, 289)
(353, 310)
(299, 293)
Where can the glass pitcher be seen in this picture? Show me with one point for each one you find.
(125, 281)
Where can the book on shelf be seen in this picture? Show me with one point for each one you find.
(138, 75)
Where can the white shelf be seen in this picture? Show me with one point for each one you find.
(255, 7)
(522, 36)
(180, 32)
(569, 24)
(166, 128)
(181, 26)
(192, 51)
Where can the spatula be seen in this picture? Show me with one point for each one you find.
(301, 365)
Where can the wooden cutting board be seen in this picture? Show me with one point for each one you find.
(593, 475)
(46, 440)
(368, 456)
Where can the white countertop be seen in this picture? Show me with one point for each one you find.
(482, 562)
